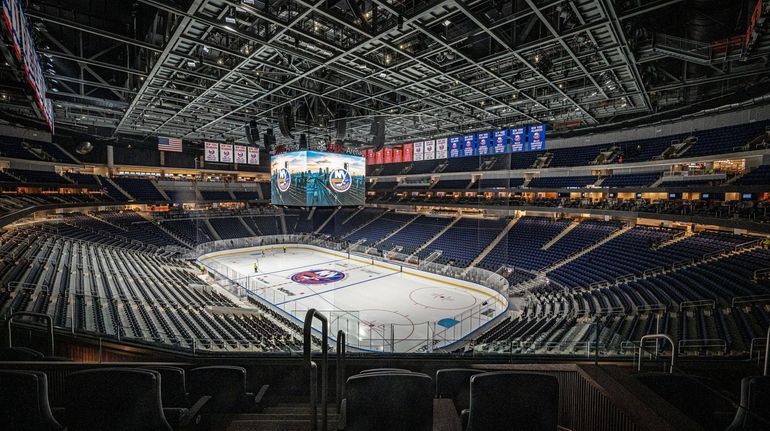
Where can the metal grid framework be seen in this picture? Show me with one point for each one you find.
(201, 69)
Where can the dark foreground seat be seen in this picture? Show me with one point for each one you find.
(688, 394)
(385, 370)
(455, 384)
(754, 411)
(24, 402)
(226, 385)
(20, 354)
(507, 401)
(120, 399)
(387, 402)
(173, 388)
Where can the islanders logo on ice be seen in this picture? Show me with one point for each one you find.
(318, 276)
(283, 180)
(339, 180)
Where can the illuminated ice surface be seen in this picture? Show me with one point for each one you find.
(375, 305)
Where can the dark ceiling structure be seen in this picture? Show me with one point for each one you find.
(202, 69)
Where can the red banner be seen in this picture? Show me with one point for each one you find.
(378, 157)
(407, 157)
(388, 157)
(398, 155)
(369, 156)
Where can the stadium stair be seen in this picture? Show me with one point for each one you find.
(164, 194)
(586, 250)
(246, 225)
(284, 229)
(281, 417)
(674, 240)
(493, 244)
(397, 230)
(561, 234)
(355, 213)
(427, 243)
(213, 231)
(367, 223)
(328, 219)
(120, 189)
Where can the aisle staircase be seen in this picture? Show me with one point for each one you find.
(281, 417)
(493, 244)
(590, 248)
(561, 234)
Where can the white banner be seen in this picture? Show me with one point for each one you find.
(429, 150)
(225, 153)
(441, 148)
(417, 153)
(253, 155)
(211, 152)
(240, 154)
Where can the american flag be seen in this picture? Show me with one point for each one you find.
(170, 144)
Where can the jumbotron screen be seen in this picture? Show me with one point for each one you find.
(313, 178)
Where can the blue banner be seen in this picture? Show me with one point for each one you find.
(455, 146)
(500, 141)
(537, 137)
(469, 145)
(484, 143)
(517, 136)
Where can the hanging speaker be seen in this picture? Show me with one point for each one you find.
(268, 139)
(340, 123)
(252, 132)
(286, 122)
(303, 141)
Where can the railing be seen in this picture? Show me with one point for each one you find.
(761, 274)
(703, 303)
(313, 367)
(705, 343)
(657, 337)
(49, 324)
(340, 370)
(751, 299)
(767, 353)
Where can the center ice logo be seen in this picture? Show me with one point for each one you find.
(283, 180)
(340, 180)
(318, 276)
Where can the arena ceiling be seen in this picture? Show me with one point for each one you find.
(201, 69)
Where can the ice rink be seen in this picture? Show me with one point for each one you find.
(379, 306)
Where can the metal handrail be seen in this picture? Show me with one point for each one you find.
(313, 367)
(657, 337)
(341, 356)
(767, 351)
(45, 317)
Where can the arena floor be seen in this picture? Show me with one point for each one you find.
(365, 298)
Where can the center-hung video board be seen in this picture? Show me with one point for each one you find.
(314, 178)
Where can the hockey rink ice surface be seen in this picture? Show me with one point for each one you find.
(364, 299)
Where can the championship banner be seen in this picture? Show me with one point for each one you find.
(429, 150)
(398, 154)
(441, 148)
(212, 152)
(378, 157)
(369, 156)
(500, 141)
(417, 151)
(387, 157)
(226, 153)
(469, 145)
(240, 154)
(253, 153)
(455, 146)
(484, 143)
(407, 157)
(537, 137)
(517, 139)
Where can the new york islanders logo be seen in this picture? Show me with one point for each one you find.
(318, 276)
(339, 180)
(283, 180)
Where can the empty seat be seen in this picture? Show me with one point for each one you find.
(114, 399)
(173, 389)
(387, 402)
(455, 384)
(20, 354)
(754, 412)
(227, 387)
(513, 401)
(24, 402)
(384, 370)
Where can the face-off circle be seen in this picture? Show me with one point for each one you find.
(318, 276)
(284, 180)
